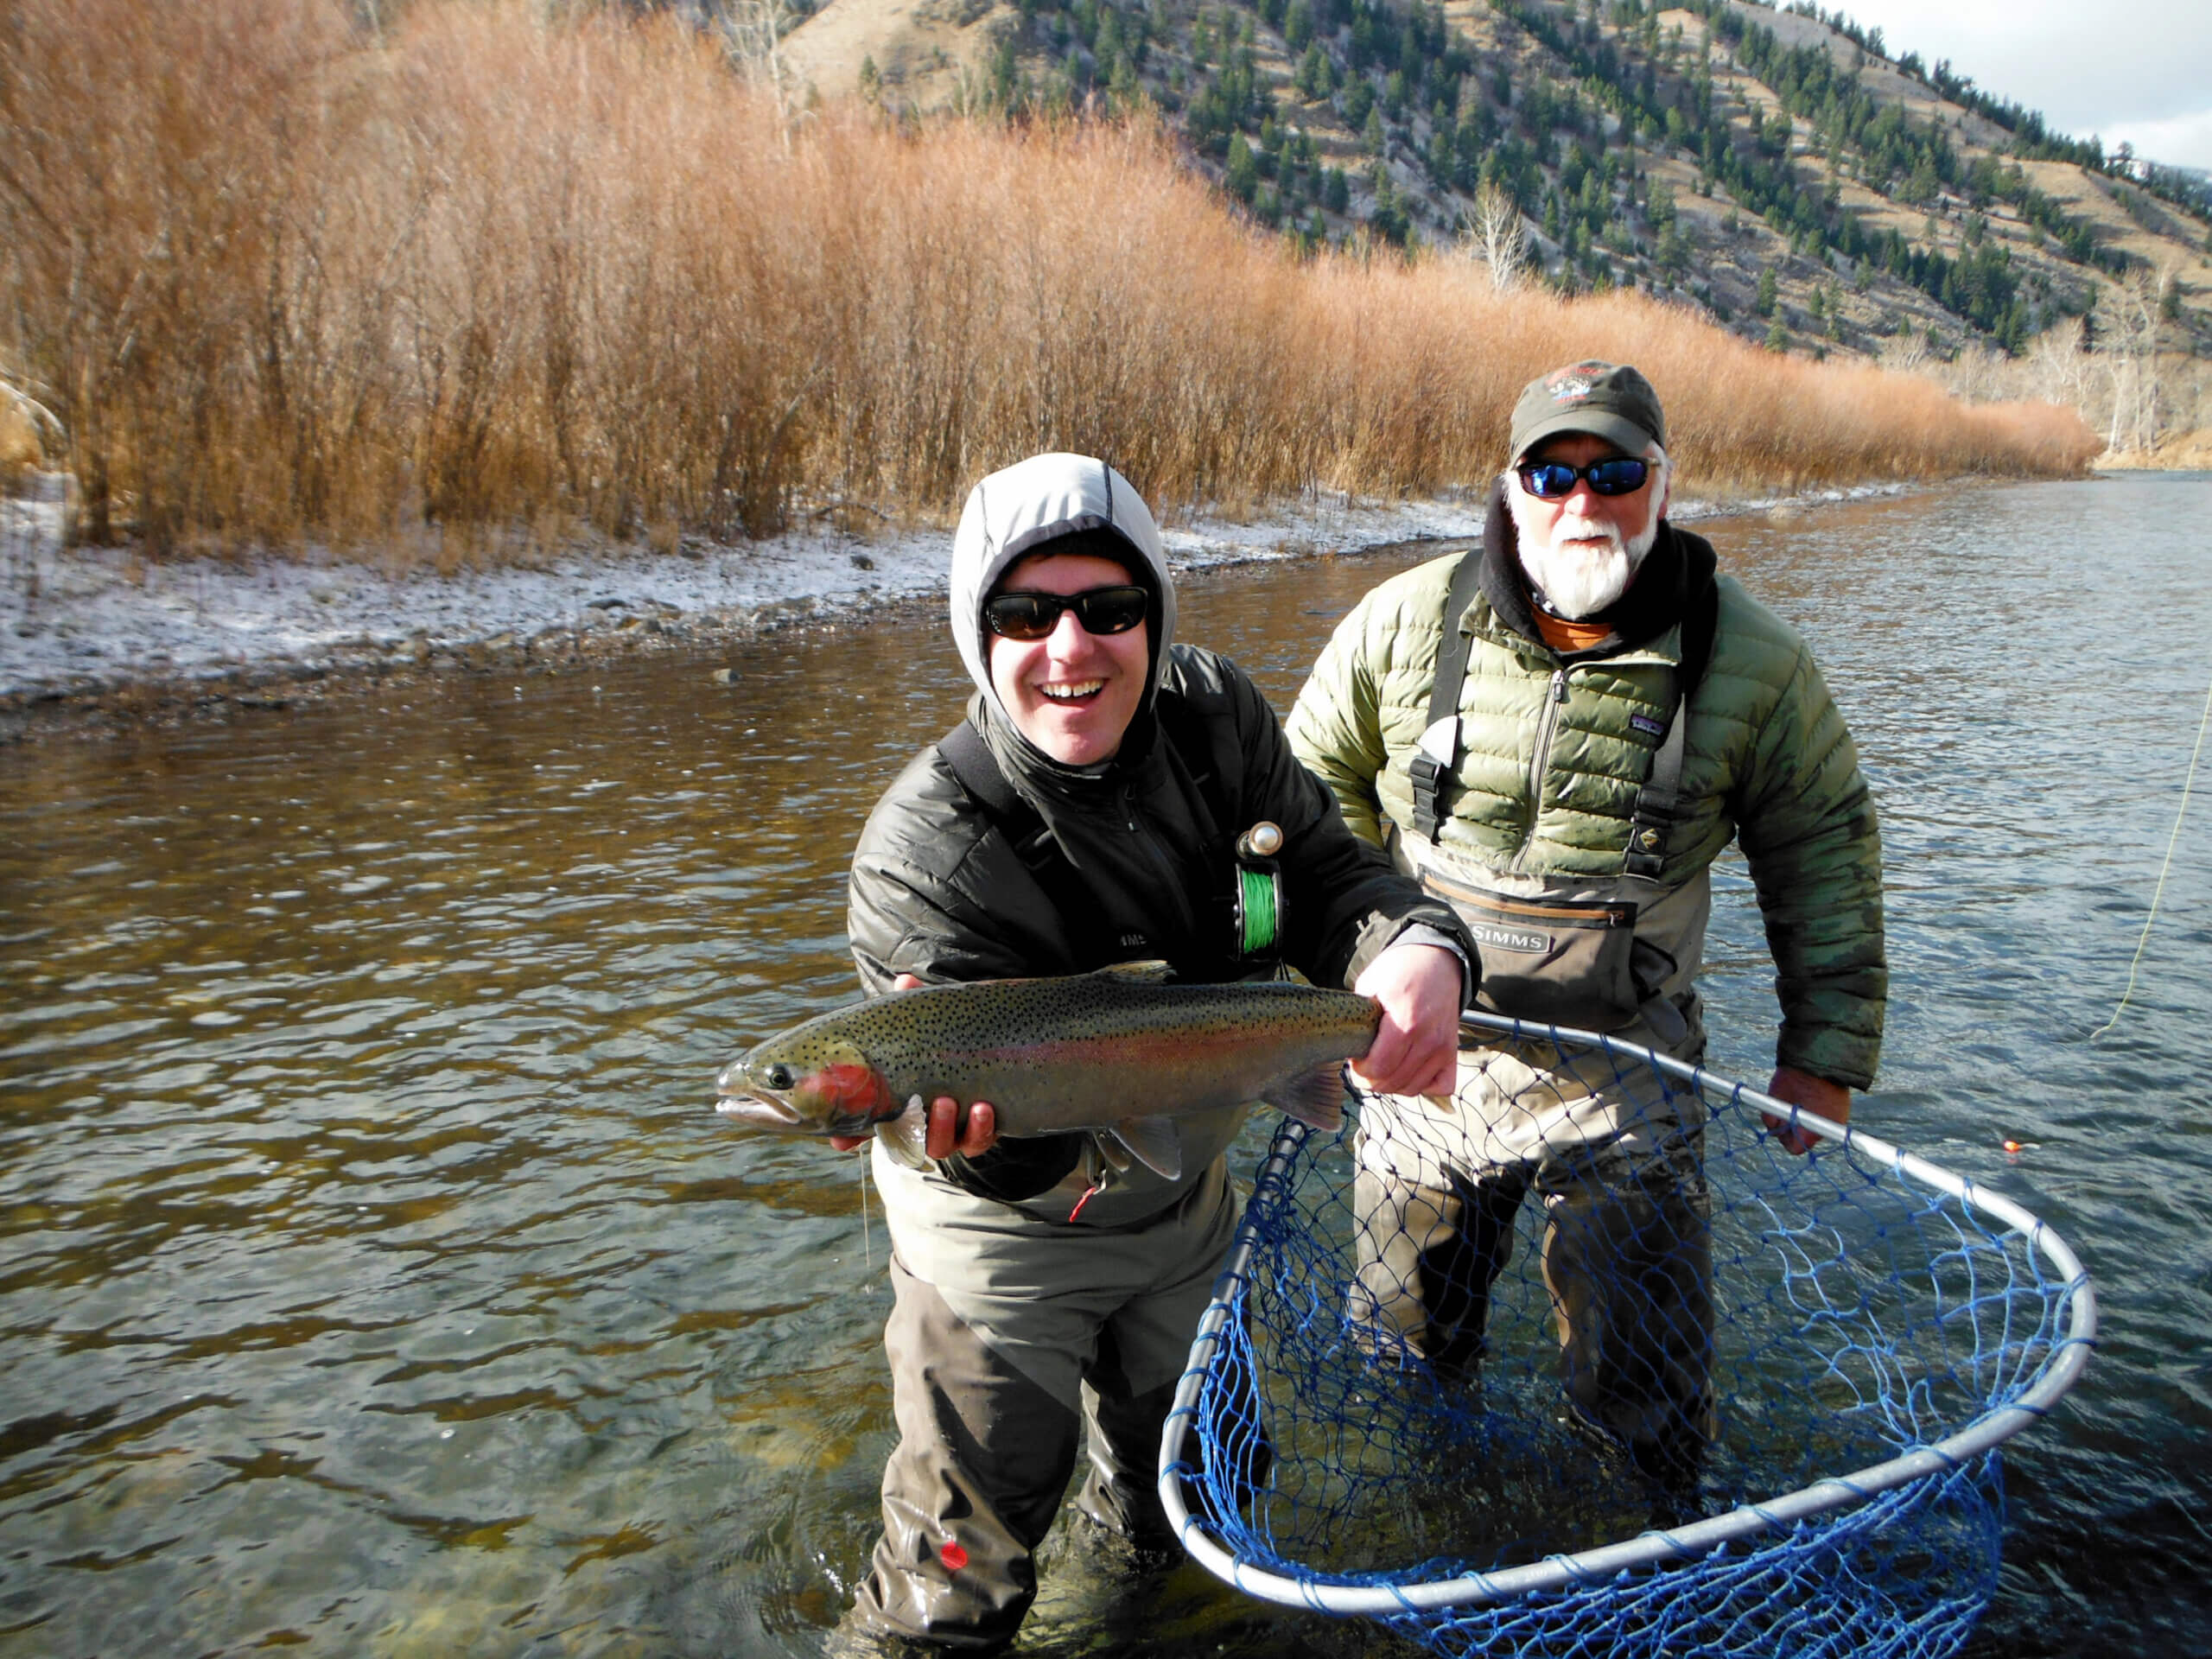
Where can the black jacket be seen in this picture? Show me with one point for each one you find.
(937, 892)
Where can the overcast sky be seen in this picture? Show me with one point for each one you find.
(2140, 70)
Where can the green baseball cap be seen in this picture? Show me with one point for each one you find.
(1608, 400)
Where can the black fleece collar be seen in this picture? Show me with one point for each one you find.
(1680, 567)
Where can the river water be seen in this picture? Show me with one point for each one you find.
(375, 1278)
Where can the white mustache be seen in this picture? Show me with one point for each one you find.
(1573, 528)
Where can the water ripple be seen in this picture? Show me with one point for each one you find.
(376, 1279)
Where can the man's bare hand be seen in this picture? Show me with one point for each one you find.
(1808, 1093)
(1417, 1050)
(971, 1132)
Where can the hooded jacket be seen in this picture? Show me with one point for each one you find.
(936, 890)
(1553, 749)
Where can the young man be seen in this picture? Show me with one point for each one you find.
(1560, 733)
(1087, 812)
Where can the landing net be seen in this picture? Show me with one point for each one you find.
(1589, 1365)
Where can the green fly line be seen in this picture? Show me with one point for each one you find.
(2172, 841)
(1258, 910)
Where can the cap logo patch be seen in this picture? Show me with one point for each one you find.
(1574, 382)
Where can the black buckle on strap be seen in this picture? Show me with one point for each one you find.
(1426, 774)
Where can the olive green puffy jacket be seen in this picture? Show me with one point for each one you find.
(1767, 758)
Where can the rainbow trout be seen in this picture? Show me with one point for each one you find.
(1121, 1052)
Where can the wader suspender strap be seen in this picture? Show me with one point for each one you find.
(1657, 803)
(1440, 744)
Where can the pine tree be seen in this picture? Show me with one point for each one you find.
(1770, 294)
(1243, 174)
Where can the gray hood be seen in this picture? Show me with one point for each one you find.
(1014, 512)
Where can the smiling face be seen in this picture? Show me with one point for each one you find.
(1073, 693)
(1581, 552)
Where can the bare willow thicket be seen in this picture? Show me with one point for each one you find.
(285, 277)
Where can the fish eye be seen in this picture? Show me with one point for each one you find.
(779, 1076)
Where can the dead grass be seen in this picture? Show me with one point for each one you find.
(285, 279)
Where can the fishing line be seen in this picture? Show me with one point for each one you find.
(2173, 842)
(867, 1242)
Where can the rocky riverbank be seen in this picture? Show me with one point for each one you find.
(103, 637)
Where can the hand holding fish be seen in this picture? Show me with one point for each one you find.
(948, 1131)
(1421, 987)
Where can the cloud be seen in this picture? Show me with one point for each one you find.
(2178, 141)
(2117, 73)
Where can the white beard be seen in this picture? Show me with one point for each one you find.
(1576, 581)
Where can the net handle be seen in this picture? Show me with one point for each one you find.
(2070, 1354)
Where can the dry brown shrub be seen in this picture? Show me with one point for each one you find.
(284, 280)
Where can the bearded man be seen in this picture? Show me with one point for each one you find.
(1558, 734)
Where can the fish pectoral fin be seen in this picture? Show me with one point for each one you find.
(1148, 973)
(907, 1135)
(1153, 1143)
(1314, 1097)
(1112, 1152)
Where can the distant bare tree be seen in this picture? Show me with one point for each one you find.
(2059, 365)
(752, 33)
(2132, 360)
(1907, 352)
(1496, 237)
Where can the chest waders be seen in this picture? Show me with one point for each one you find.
(1562, 954)
(1626, 1234)
(999, 1358)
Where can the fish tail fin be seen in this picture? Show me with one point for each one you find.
(1314, 1097)
(907, 1133)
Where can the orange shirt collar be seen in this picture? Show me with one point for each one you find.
(1567, 637)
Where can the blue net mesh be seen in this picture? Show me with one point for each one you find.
(1585, 1363)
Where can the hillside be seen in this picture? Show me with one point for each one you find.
(1777, 169)
(492, 280)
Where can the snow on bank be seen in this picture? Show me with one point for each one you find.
(84, 619)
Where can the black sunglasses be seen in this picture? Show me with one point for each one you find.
(1553, 480)
(1032, 616)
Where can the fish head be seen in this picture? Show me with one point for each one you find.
(814, 1088)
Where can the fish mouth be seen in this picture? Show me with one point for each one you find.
(764, 1109)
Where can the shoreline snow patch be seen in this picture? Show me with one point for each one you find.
(81, 621)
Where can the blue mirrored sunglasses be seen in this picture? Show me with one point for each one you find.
(1553, 480)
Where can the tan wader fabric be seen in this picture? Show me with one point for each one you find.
(1627, 1235)
(1057, 1325)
